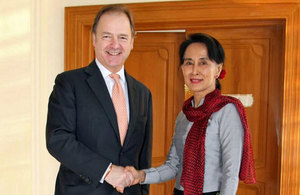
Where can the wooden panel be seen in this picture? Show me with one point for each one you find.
(285, 118)
(244, 189)
(154, 61)
(247, 65)
(87, 53)
(149, 64)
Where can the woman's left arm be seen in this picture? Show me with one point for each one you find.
(231, 137)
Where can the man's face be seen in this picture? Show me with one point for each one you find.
(113, 40)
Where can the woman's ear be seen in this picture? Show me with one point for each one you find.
(219, 69)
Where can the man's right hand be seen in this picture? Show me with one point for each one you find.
(119, 178)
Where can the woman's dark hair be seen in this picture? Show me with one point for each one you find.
(214, 49)
(116, 8)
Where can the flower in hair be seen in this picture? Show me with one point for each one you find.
(222, 74)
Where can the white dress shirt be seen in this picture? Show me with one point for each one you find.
(109, 84)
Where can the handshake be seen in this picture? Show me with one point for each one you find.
(120, 177)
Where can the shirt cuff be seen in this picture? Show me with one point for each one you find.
(105, 173)
(152, 176)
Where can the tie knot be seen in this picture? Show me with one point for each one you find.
(115, 77)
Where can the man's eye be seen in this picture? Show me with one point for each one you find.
(123, 38)
(106, 37)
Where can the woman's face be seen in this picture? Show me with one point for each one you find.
(198, 70)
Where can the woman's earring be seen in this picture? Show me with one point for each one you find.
(222, 74)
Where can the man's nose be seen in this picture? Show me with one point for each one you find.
(115, 42)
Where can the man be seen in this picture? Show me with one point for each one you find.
(85, 131)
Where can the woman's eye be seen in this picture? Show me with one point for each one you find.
(203, 63)
(188, 63)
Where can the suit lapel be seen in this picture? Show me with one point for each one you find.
(132, 96)
(98, 86)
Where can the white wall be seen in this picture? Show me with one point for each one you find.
(31, 55)
(15, 97)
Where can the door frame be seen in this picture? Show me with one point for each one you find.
(186, 14)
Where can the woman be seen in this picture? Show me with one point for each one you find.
(211, 147)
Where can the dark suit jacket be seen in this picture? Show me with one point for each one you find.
(82, 132)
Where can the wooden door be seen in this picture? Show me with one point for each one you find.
(254, 70)
(155, 62)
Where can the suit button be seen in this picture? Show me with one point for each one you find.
(87, 180)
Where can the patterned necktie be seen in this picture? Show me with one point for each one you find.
(118, 99)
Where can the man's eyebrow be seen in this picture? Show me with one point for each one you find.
(105, 33)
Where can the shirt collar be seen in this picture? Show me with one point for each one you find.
(105, 72)
(200, 104)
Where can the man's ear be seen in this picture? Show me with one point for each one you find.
(94, 39)
(132, 42)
